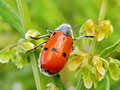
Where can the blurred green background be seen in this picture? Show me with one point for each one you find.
(43, 14)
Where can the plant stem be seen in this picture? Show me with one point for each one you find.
(26, 23)
(94, 44)
(108, 84)
(39, 79)
(24, 14)
(80, 83)
(102, 10)
(58, 81)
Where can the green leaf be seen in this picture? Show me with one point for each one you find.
(74, 63)
(95, 78)
(19, 58)
(85, 61)
(24, 14)
(87, 78)
(104, 29)
(78, 71)
(98, 65)
(91, 68)
(58, 82)
(33, 33)
(114, 71)
(107, 51)
(105, 62)
(4, 50)
(18, 61)
(80, 83)
(7, 48)
(112, 60)
(5, 57)
(24, 45)
(5, 53)
(11, 16)
(13, 54)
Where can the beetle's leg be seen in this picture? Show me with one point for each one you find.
(36, 47)
(47, 35)
(80, 37)
(49, 32)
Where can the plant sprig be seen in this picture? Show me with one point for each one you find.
(93, 68)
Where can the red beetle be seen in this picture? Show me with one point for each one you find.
(57, 49)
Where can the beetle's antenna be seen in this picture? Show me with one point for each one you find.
(76, 26)
(57, 22)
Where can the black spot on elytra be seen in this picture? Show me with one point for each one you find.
(53, 49)
(72, 43)
(45, 48)
(54, 33)
(64, 54)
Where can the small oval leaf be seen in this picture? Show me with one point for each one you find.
(110, 50)
(33, 33)
(24, 45)
(74, 63)
(87, 78)
(114, 71)
(5, 57)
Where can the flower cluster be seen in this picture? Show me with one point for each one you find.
(93, 68)
(17, 53)
(99, 29)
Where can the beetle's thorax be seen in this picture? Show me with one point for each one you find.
(66, 29)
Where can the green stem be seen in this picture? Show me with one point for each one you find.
(80, 83)
(24, 14)
(102, 10)
(58, 81)
(39, 79)
(94, 44)
(108, 84)
(26, 23)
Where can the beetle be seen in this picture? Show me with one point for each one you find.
(57, 49)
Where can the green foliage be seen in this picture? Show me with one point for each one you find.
(110, 50)
(11, 16)
(5, 54)
(25, 18)
(91, 66)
